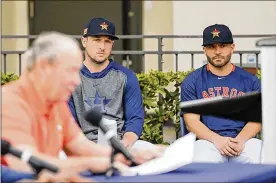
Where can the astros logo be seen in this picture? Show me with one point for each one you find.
(215, 33)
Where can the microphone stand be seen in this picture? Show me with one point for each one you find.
(37, 169)
(111, 170)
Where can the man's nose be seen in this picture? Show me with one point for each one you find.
(102, 45)
(217, 50)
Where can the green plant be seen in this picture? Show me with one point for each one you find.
(258, 74)
(5, 78)
(160, 91)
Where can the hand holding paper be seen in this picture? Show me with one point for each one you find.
(176, 155)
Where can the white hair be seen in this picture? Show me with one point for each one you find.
(48, 46)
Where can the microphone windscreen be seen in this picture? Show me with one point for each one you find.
(5, 146)
(94, 117)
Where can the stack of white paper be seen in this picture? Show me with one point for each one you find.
(112, 126)
(178, 154)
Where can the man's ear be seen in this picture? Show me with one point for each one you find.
(233, 47)
(43, 66)
(84, 41)
(204, 50)
(113, 42)
(43, 63)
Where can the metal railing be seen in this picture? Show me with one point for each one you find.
(160, 52)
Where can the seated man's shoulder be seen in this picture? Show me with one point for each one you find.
(126, 71)
(14, 98)
(15, 103)
(194, 75)
(244, 73)
(11, 94)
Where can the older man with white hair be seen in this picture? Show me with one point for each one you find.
(35, 114)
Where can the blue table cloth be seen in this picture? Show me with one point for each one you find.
(9, 175)
(195, 172)
(206, 172)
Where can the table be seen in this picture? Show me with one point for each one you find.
(206, 172)
(195, 172)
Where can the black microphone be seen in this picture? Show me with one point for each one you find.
(26, 156)
(96, 119)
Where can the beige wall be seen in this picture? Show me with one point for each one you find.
(157, 20)
(14, 22)
(166, 18)
(250, 17)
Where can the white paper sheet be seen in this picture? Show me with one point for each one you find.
(111, 125)
(178, 154)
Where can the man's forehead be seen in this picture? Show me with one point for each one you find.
(101, 37)
(218, 44)
(72, 62)
(74, 54)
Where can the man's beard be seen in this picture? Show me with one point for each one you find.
(98, 62)
(226, 60)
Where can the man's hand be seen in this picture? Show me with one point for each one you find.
(65, 175)
(127, 143)
(142, 155)
(222, 145)
(71, 173)
(129, 139)
(237, 145)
